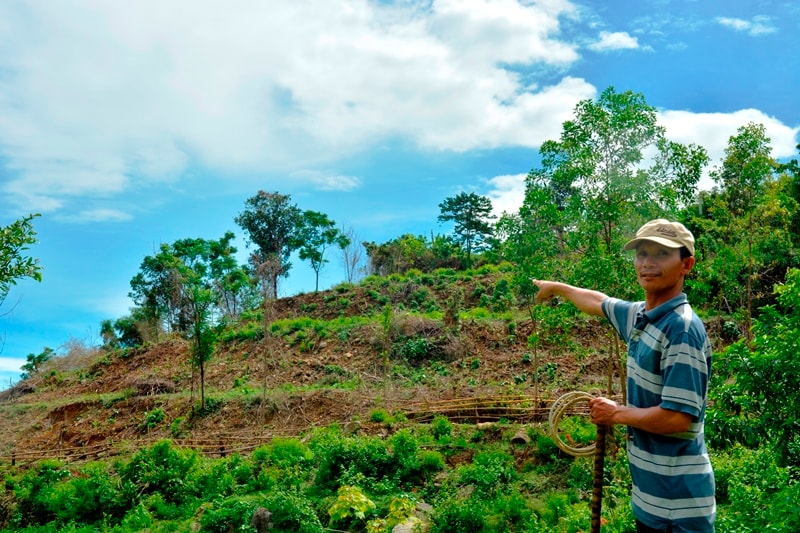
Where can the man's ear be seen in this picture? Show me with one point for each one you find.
(688, 264)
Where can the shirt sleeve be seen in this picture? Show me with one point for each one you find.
(621, 315)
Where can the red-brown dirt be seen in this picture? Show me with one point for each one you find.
(276, 386)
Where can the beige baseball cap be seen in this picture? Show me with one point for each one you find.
(664, 232)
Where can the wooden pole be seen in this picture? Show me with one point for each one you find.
(597, 481)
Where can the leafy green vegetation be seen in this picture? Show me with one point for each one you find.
(331, 480)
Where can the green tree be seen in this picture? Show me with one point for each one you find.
(35, 361)
(314, 234)
(232, 283)
(154, 289)
(746, 168)
(743, 176)
(471, 214)
(534, 238)
(159, 287)
(197, 299)
(129, 331)
(595, 186)
(403, 253)
(745, 227)
(180, 289)
(271, 224)
(791, 170)
(600, 157)
(15, 240)
(759, 388)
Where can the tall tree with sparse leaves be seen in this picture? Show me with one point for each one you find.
(271, 223)
(315, 233)
(352, 255)
(472, 216)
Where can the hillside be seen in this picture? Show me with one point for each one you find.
(340, 356)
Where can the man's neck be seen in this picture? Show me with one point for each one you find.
(654, 299)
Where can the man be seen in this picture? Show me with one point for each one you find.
(669, 363)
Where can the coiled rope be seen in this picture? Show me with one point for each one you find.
(562, 405)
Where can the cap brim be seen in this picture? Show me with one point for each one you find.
(630, 245)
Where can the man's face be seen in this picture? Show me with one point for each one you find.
(660, 269)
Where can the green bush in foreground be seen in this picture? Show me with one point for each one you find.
(370, 484)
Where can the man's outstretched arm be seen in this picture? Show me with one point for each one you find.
(586, 300)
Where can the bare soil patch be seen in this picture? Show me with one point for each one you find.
(260, 388)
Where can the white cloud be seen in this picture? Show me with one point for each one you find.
(619, 40)
(112, 303)
(100, 215)
(11, 364)
(518, 32)
(328, 182)
(758, 25)
(527, 119)
(98, 97)
(507, 193)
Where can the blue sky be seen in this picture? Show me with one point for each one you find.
(129, 124)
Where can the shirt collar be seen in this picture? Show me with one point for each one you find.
(656, 313)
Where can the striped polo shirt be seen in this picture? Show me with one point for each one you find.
(669, 363)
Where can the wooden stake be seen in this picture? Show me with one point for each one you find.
(597, 481)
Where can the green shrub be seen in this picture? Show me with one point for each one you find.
(404, 455)
(766, 390)
(478, 290)
(372, 463)
(502, 297)
(340, 460)
(244, 331)
(53, 493)
(152, 419)
(546, 448)
(283, 453)
(380, 416)
(459, 516)
(228, 515)
(509, 513)
(754, 492)
(555, 507)
(478, 313)
(335, 370)
(33, 493)
(431, 462)
(580, 475)
(413, 349)
(161, 509)
(176, 428)
(351, 506)
(164, 470)
(137, 519)
(291, 513)
(219, 479)
(441, 427)
(490, 472)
